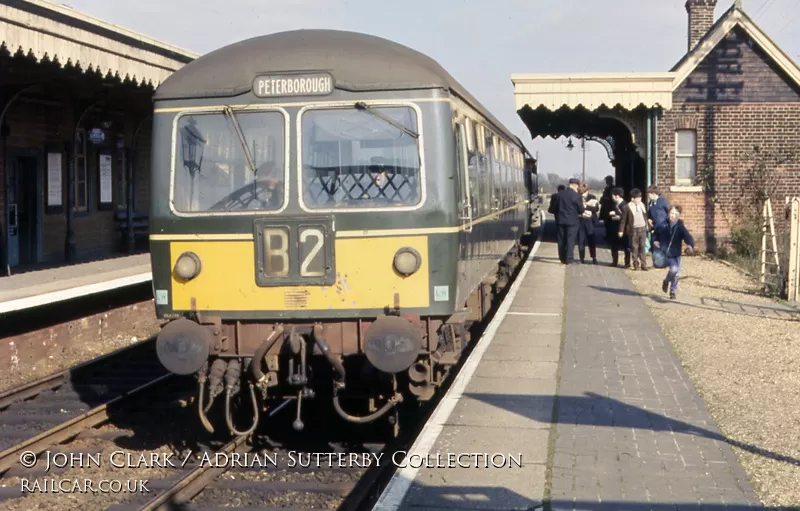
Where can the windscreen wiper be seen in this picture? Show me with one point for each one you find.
(240, 134)
(364, 108)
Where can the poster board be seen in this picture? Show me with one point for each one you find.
(106, 183)
(55, 180)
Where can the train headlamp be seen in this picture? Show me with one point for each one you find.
(407, 261)
(187, 266)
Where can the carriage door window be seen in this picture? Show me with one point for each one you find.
(463, 185)
(472, 167)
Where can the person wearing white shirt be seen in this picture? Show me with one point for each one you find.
(634, 224)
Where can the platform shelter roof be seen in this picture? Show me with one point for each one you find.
(49, 31)
(592, 91)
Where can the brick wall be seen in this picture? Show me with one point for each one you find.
(79, 339)
(735, 99)
(736, 129)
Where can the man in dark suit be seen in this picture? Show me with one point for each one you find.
(570, 208)
(553, 207)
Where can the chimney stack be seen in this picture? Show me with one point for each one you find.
(701, 18)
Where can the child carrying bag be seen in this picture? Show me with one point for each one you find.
(660, 256)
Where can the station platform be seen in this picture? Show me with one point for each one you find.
(37, 288)
(575, 378)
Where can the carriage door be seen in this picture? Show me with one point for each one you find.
(21, 212)
(464, 202)
(12, 213)
(464, 207)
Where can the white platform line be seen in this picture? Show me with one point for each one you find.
(398, 486)
(511, 313)
(67, 294)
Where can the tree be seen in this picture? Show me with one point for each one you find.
(759, 177)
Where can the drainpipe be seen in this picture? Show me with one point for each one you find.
(649, 148)
(655, 148)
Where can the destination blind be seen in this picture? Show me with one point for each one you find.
(270, 86)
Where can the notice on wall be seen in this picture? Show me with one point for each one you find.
(54, 191)
(105, 178)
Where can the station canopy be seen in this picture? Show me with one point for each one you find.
(557, 105)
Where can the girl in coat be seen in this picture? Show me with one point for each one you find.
(587, 225)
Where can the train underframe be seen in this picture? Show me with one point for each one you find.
(375, 365)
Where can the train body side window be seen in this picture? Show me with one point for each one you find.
(497, 176)
(508, 186)
(489, 177)
(484, 174)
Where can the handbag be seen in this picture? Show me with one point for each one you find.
(660, 256)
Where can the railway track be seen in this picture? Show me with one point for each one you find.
(274, 472)
(267, 480)
(58, 407)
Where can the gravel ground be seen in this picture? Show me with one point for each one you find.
(294, 499)
(745, 368)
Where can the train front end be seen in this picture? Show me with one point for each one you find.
(290, 250)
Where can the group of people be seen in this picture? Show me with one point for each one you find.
(627, 227)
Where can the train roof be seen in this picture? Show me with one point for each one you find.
(358, 62)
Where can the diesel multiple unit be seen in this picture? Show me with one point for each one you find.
(331, 211)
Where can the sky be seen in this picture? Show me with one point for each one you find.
(480, 42)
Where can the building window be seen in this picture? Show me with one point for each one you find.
(80, 178)
(685, 157)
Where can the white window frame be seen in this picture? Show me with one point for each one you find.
(684, 181)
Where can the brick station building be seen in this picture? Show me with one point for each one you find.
(76, 96)
(691, 131)
(734, 90)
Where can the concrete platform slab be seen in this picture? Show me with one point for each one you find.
(485, 489)
(512, 411)
(538, 338)
(526, 446)
(524, 386)
(516, 369)
(36, 288)
(522, 352)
